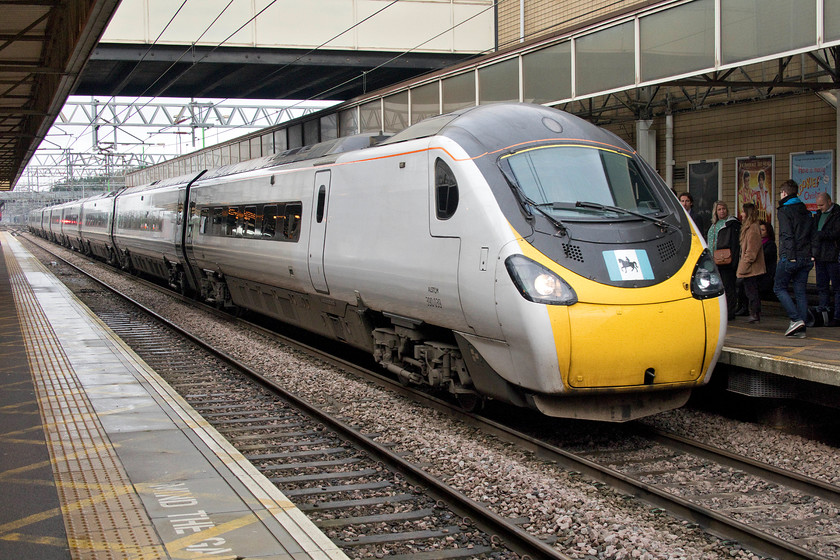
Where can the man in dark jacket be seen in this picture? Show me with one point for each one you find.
(825, 248)
(795, 261)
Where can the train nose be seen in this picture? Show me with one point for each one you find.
(632, 345)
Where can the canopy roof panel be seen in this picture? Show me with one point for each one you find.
(43, 46)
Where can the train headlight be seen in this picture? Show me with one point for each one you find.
(538, 284)
(706, 281)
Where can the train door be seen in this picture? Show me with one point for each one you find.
(318, 231)
(445, 226)
(188, 222)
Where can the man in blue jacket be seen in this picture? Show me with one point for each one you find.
(795, 260)
(826, 249)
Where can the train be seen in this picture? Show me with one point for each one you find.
(509, 252)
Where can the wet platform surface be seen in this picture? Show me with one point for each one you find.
(99, 458)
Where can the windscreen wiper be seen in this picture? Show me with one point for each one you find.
(617, 209)
(524, 199)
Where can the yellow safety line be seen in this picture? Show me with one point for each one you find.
(27, 468)
(232, 525)
(50, 541)
(28, 520)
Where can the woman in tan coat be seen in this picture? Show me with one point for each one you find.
(751, 264)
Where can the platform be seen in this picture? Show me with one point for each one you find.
(766, 363)
(101, 459)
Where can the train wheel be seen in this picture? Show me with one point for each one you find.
(471, 402)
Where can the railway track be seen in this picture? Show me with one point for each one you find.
(366, 498)
(713, 488)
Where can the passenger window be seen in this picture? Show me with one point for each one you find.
(269, 222)
(250, 221)
(446, 191)
(217, 227)
(202, 227)
(230, 221)
(292, 215)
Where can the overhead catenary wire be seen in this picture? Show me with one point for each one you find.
(364, 74)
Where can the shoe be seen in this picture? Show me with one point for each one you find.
(799, 334)
(742, 312)
(795, 327)
(753, 319)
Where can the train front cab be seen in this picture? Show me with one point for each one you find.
(616, 353)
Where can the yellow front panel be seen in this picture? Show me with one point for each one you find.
(613, 345)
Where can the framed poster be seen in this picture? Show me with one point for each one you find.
(754, 176)
(704, 184)
(814, 171)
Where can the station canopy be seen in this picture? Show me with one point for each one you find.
(43, 47)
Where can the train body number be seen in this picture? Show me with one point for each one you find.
(431, 300)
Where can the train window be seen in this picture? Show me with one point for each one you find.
(203, 221)
(322, 201)
(230, 220)
(269, 222)
(446, 191)
(558, 177)
(217, 219)
(629, 188)
(291, 218)
(249, 221)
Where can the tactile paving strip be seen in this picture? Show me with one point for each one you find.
(103, 516)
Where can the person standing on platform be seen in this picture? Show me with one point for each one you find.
(687, 202)
(724, 244)
(795, 260)
(751, 264)
(826, 250)
(771, 256)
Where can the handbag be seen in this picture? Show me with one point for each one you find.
(723, 256)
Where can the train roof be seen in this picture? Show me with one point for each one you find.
(479, 130)
(329, 149)
(499, 126)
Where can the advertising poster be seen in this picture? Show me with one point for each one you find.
(704, 178)
(755, 177)
(814, 171)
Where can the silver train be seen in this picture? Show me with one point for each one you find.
(509, 251)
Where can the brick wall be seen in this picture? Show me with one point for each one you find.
(776, 127)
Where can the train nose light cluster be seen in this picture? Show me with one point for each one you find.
(705, 281)
(538, 284)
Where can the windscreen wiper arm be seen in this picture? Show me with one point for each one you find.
(596, 206)
(523, 200)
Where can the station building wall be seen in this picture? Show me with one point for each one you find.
(777, 127)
